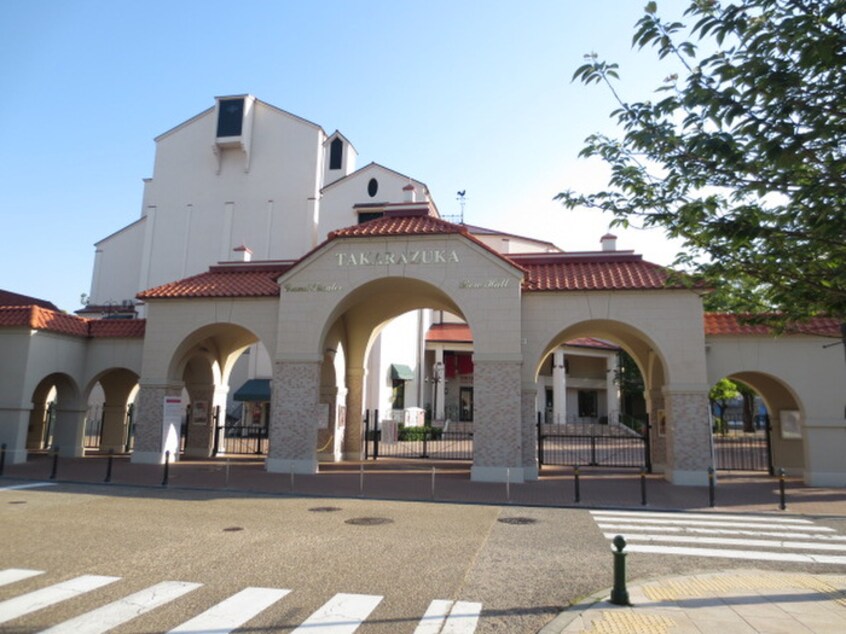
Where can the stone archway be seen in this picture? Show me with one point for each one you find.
(59, 422)
(118, 386)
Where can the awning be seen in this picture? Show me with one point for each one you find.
(401, 372)
(254, 390)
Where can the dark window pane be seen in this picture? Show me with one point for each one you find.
(230, 118)
(364, 216)
(336, 151)
(372, 187)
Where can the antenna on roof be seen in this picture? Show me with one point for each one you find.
(462, 200)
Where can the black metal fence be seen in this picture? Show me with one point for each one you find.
(593, 445)
(391, 440)
(736, 450)
(240, 439)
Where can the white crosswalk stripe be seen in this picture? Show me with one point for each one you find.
(232, 612)
(114, 614)
(342, 614)
(450, 617)
(723, 535)
(12, 575)
(40, 599)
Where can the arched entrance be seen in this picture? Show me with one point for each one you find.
(349, 291)
(757, 424)
(109, 404)
(600, 398)
(57, 416)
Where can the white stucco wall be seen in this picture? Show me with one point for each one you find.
(117, 265)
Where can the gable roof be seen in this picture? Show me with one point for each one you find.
(256, 279)
(39, 318)
(8, 298)
(373, 165)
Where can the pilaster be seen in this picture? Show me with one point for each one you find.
(294, 415)
(497, 439)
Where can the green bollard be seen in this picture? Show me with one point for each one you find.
(619, 593)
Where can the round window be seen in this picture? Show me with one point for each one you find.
(372, 187)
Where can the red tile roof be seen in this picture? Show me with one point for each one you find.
(399, 225)
(451, 333)
(8, 298)
(38, 318)
(595, 272)
(735, 325)
(255, 280)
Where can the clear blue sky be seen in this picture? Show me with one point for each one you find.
(471, 96)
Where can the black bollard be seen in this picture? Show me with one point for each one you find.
(578, 493)
(711, 492)
(55, 463)
(109, 466)
(2, 458)
(166, 467)
(619, 593)
(643, 487)
(782, 500)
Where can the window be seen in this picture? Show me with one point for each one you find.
(230, 117)
(372, 187)
(588, 401)
(365, 216)
(398, 395)
(336, 154)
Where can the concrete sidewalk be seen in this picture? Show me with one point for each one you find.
(735, 602)
(449, 482)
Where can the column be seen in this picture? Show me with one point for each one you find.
(688, 436)
(529, 409)
(657, 429)
(36, 428)
(201, 425)
(149, 419)
(612, 394)
(559, 388)
(439, 374)
(14, 422)
(114, 428)
(294, 417)
(353, 448)
(497, 439)
(68, 435)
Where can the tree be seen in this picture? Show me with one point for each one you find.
(721, 393)
(742, 155)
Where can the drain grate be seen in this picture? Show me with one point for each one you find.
(18, 502)
(325, 509)
(517, 520)
(233, 529)
(368, 521)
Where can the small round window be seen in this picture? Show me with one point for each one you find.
(372, 187)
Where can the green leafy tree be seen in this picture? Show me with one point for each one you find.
(721, 393)
(741, 154)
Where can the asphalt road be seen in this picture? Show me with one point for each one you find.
(523, 573)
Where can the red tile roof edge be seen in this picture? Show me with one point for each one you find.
(730, 324)
(38, 318)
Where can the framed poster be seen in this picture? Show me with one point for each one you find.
(791, 428)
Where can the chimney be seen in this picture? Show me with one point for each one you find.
(410, 195)
(609, 242)
(242, 254)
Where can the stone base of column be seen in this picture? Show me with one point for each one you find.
(686, 478)
(353, 455)
(197, 452)
(71, 451)
(286, 465)
(824, 478)
(515, 475)
(531, 473)
(150, 457)
(112, 448)
(327, 456)
(16, 456)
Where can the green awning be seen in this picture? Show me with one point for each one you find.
(401, 372)
(254, 390)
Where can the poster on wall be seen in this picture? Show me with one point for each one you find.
(790, 424)
(200, 413)
(172, 425)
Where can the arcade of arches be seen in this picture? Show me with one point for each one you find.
(317, 319)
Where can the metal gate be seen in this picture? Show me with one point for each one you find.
(738, 450)
(239, 438)
(387, 439)
(594, 444)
